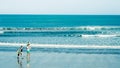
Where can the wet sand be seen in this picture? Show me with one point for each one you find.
(59, 60)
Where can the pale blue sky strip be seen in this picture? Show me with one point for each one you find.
(111, 7)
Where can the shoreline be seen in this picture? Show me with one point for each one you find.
(62, 46)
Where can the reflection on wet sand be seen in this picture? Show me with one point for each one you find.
(19, 61)
(28, 60)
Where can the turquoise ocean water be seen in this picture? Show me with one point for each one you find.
(58, 20)
(98, 30)
(61, 29)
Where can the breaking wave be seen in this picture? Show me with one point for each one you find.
(82, 31)
(61, 28)
(89, 49)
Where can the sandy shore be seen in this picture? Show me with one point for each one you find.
(59, 60)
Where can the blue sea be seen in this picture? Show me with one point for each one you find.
(85, 30)
(58, 20)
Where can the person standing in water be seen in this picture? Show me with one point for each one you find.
(19, 56)
(28, 54)
(19, 51)
(28, 48)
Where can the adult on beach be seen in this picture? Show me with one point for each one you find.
(28, 49)
(28, 54)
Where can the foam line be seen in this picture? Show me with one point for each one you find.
(63, 46)
(100, 35)
(60, 28)
(1, 32)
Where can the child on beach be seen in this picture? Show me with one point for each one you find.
(19, 51)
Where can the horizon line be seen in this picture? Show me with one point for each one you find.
(50, 14)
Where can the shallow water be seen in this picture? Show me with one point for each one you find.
(64, 40)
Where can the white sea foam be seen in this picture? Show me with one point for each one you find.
(63, 46)
(60, 28)
(1, 32)
(100, 35)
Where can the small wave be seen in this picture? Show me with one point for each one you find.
(60, 34)
(100, 35)
(60, 28)
(82, 31)
(86, 49)
(63, 46)
(100, 27)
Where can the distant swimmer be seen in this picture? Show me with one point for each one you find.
(19, 51)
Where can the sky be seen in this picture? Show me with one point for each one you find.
(107, 7)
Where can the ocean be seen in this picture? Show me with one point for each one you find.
(61, 29)
(58, 20)
(63, 41)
